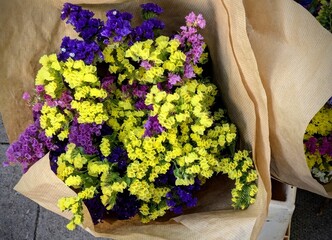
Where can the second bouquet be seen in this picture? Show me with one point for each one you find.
(130, 119)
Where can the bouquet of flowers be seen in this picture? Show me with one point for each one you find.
(130, 119)
(318, 135)
(295, 69)
(318, 144)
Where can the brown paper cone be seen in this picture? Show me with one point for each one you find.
(234, 71)
(293, 54)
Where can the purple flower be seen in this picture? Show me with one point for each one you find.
(170, 203)
(96, 208)
(193, 20)
(39, 89)
(330, 101)
(26, 96)
(55, 153)
(82, 135)
(49, 100)
(140, 105)
(151, 8)
(191, 42)
(30, 147)
(65, 100)
(37, 107)
(166, 179)
(326, 146)
(119, 156)
(117, 27)
(140, 91)
(188, 71)
(87, 27)
(304, 3)
(147, 29)
(173, 78)
(145, 64)
(181, 196)
(107, 82)
(177, 209)
(311, 145)
(126, 205)
(79, 50)
(152, 127)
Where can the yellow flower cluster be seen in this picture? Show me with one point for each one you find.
(74, 181)
(146, 191)
(69, 161)
(83, 80)
(163, 53)
(90, 112)
(95, 171)
(54, 122)
(49, 75)
(152, 214)
(241, 169)
(89, 92)
(105, 147)
(321, 123)
(190, 103)
(77, 74)
(110, 192)
(73, 204)
(323, 163)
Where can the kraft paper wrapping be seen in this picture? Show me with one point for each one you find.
(294, 58)
(234, 71)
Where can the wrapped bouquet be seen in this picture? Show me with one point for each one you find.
(318, 135)
(130, 119)
(296, 74)
(318, 144)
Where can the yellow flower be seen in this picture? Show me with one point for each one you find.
(118, 187)
(79, 161)
(74, 181)
(162, 41)
(63, 134)
(51, 88)
(184, 182)
(198, 129)
(141, 189)
(105, 147)
(144, 209)
(87, 193)
(205, 120)
(230, 137)
(173, 45)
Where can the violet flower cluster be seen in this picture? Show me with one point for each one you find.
(82, 135)
(82, 21)
(29, 148)
(117, 27)
(79, 50)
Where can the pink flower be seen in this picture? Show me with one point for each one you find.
(188, 71)
(37, 107)
(201, 21)
(146, 65)
(173, 78)
(39, 88)
(26, 96)
(193, 20)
